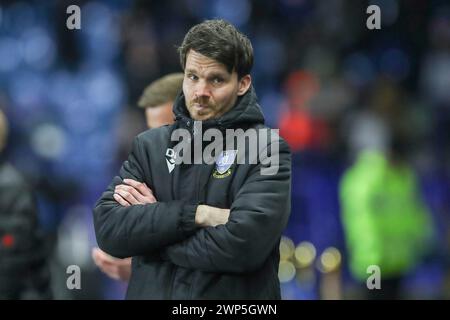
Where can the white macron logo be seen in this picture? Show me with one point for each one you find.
(170, 159)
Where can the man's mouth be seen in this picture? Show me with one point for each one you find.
(200, 107)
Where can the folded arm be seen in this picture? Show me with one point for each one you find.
(125, 231)
(258, 215)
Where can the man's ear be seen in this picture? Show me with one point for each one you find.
(244, 84)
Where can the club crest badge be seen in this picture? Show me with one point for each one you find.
(224, 163)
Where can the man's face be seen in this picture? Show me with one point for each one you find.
(159, 116)
(209, 89)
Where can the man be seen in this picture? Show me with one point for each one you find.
(24, 272)
(201, 231)
(157, 100)
(386, 223)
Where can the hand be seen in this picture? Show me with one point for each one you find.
(118, 269)
(132, 193)
(207, 216)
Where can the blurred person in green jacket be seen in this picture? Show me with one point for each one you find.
(386, 223)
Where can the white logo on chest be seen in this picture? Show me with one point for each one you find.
(170, 159)
(225, 160)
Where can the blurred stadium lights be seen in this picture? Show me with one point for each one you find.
(39, 49)
(286, 271)
(291, 258)
(305, 253)
(330, 260)
(287, 248)
(48, 141)
(297, 263)
(329, 264)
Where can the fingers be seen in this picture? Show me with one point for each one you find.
(133, 196)
(124, 269)
(127, 261)
(95, 257)
(119, 269)
(101, 256)
(105, 264)
(140, 186)
(121, 200)
(129, 194)
(133, 193)
(110, 270)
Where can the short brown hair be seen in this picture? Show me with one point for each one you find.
(219, 40)
(3, 130)
(161, 91)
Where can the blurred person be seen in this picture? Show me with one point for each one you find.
(385, 221)
(194, 232)
(302, 129)
(24, 272)
(157, 100)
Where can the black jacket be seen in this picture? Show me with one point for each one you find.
(172, 257)
(23, 251)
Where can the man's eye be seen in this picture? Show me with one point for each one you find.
(217, 80)
(192, 77)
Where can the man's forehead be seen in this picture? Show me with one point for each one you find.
(197, 62)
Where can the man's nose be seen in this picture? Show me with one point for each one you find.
(202, 89)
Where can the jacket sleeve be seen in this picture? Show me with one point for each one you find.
(258, 215)
(139, 229)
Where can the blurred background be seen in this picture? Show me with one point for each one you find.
(366, 113)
